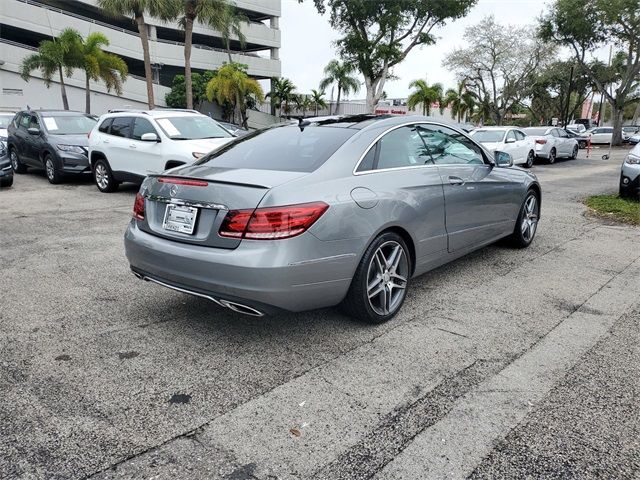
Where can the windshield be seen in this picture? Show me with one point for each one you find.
(288, 149)
(488, 136)
(191, 127)
(68, 124)
(536, 131)
(5, 120)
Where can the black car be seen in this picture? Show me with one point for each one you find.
(50, 139)
(582, 141)
(6, 172)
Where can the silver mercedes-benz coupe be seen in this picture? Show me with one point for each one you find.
(335, 210)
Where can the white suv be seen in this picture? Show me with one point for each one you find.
(128, 145)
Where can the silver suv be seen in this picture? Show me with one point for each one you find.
(630, 175)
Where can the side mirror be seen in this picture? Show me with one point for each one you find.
(503, 159)
(149, 137)
(33, 131)
(510, 140)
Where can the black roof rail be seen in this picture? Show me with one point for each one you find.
(179, 110)
(125, 110)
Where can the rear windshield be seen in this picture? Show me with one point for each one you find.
(191, 127)
(68, 124)
(488, 136)
(536, 131)
(282, 148)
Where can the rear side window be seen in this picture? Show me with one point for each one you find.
(121, 127)
(104, 126)
(287, 148)
(140, 127)
(519, 135)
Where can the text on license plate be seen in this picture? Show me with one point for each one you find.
(180, 218)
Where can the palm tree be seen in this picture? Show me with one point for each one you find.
(282, 92)
(232, 85)
(190, 11)
(53, 57)
(137, 9)
(303, 102)
(317, 98)
(426, 95)
(99, 65)
(229, 23)
(461, 101)
(341, 74)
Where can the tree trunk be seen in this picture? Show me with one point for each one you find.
(63, 90)
(87, 93)
(618, 118)
(338, 101)
(188, 37)
(144, 38)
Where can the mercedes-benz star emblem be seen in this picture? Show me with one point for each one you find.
(174, 190)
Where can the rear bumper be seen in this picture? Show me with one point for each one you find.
(630, 180)
(301, 273)
(542, 151)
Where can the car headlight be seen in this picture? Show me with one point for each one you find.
(70, 148)
(633, 159)
(197, 155)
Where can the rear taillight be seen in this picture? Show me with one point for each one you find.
(138, 207)
(541, 141)
(272, 222)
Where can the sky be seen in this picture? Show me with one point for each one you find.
(307, 43)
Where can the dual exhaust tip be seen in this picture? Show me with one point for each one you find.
(235, 306)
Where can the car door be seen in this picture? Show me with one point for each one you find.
(21, 123)
(146, 157)
(523, 146)
(566, 145)
(33, 143)
(480, 199)
(511, 145)
(117, 151)
(398, 172)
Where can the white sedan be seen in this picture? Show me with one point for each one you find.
(552, 143)
(600, 135)
(507, 139)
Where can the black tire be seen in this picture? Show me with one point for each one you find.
(582, 144)
(6, 183)
(52, 173)
(519, 238)
(552, 157)
(16, 164)
(530, 159)
(574, 154)
(103, 177)
(384, 305)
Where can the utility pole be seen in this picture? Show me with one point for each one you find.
(604, 87)
(566, 112)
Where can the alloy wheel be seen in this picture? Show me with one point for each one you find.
(552, 156)
(50, 169)
(14, 161)
(530, 158)
(102, 176)
(387, 278)
(530, 218)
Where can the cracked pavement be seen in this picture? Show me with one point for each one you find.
(506, 363)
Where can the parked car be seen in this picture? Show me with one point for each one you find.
(600, 135)
(587, 122)
(552, 143)
(629, 131)
(126, 146)
(507, 139)
(5, 120)
(6, 172)
(630, 174)
(50, 139)
(576, 127)
(345, 210)
(634, 140)
(582, 141)
(236, 130)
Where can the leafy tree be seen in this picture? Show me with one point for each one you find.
(318, 100)
(282, 94)
(377, 35)
(461, 101)
(53, 57)
(232, 85)
(98, 65)
(340, 73)
(190, 11)
(229, 23)
(425, 95)
(177, 97)
(499, 64)
(303, 103)
(585, 26)
(137, 9)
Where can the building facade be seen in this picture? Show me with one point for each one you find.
(25, 23)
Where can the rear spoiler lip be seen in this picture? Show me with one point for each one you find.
(225, 182)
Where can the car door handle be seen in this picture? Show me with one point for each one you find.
(456, 181)
(132, 145)
(105, 141)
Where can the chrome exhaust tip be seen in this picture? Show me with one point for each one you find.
(239, 308)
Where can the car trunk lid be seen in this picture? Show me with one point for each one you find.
(188, 204)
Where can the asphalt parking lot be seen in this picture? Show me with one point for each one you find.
(504, 364)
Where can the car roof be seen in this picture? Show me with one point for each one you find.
(363, 121)
(55, 112)
(160, 112)
(497, 128)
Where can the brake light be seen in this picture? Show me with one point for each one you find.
(272, 223)
(541, 141)
(183, 181)
(138, 207)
